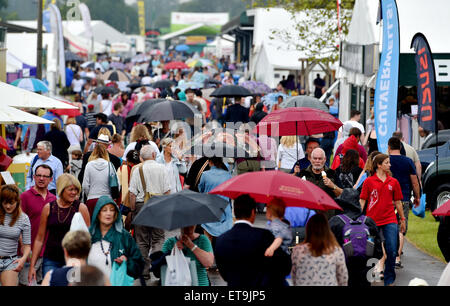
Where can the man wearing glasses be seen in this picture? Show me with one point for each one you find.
(44, 156)
(32, 202)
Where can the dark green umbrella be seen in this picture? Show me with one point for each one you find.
(181, 209)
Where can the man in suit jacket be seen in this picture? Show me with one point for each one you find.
(240, 251)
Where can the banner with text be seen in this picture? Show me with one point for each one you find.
(141, 12)
(386, 90)
(426, 83)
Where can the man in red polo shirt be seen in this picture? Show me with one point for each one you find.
(32, 202)
(381, 192)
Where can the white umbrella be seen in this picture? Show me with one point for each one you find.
(18, 97)
(11, 115)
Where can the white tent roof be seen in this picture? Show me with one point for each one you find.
(281, 57)
(431, 18)
(10, 115)
(102, 31)
(18, 97)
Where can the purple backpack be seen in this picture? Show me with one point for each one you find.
(357, 239)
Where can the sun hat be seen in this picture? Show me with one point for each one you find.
(103, 139)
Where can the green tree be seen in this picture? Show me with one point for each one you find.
(233, 7)
(317, 30)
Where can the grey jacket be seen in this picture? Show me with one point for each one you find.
(179, 167)
(96, 180)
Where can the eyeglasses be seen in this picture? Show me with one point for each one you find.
(42, 176)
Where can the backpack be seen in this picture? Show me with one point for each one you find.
(357, 239)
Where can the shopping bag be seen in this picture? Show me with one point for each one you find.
(177, 273)
(419, 211)
(192, 268)
(78, 223)
(119, 276)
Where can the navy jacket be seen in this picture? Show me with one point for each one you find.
(240, 258)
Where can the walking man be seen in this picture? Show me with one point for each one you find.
(404, 171)
(32, 202)
(148, 179)
(44, 156)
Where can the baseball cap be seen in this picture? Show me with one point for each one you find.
(90, 106)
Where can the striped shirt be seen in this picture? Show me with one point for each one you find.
(9, 235)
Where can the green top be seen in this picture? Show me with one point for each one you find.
(203, 243)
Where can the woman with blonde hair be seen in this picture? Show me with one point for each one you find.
(319, 260)
(13, 225)
(56, 218)
(174, 163)
(140, 136)
(73, 132)
(289, 151)
(96, 177)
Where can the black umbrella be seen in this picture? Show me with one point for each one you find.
(138, 109)
(231, 91)
(106, 90)
(181, 209)
(163, 84)
(116, 75)
(134, 86)
(168, 110)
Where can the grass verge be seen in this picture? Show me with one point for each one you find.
(422, 233)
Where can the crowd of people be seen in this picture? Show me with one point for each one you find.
(79, 157)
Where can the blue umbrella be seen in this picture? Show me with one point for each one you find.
(31, 84)
(182, 48)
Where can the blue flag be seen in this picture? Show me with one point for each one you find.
(387, 79)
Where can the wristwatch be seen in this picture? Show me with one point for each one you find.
(194, 247)
(334, 187)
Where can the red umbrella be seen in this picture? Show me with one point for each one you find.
(68, 112)
(297, 121)
(443, 210)
(264, 186)
(176, 65)
(3, 144)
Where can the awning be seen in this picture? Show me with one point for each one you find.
(18, 97)
(10, 115)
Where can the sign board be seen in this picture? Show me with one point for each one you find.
(361, 59)
(181, 20)
(7, 178)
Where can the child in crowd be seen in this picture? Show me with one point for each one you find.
(76, 160)
(278, 226)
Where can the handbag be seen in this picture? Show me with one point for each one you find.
(113, 182)
(119, 276)
(420, 210)
(78, 223)
(177, 272)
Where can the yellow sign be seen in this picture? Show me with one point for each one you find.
(141, 11)
(194, 40)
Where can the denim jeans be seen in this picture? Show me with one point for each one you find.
(390, 233)
(48, 265)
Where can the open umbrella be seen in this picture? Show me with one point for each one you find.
(176, 65)
(263, 186)
(168, 110)
(182, 48)
(443, 210)
(231, 91)
(116, 75)
(31, 84)
(181, 209)
(163, 84)
(297, 121)
(70, 56)
(272, 98)
(117, 65)
(140, 108)
(256, 87)
(106, 90)
(304, 101)
(222, 142)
